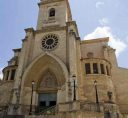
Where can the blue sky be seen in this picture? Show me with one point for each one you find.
(95, 18)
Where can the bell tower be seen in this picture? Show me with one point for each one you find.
(53, 13)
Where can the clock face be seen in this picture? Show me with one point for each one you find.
(50, 42)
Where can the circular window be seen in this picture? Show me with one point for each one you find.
(49, 42)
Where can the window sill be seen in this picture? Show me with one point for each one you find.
(51, 18)
(97, 75)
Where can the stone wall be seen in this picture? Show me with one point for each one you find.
(120, 80)
(5, 92)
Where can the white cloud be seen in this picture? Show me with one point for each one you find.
(99, 3)
(105, 31)
(127, 38)
(104, 21)
(1, 74)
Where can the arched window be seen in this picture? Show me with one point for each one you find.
(13, 74)
(88, 68)
(52, 12)
(102, 68)
(95, 68)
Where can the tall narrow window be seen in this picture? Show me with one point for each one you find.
(13, 74)
(102, 68)
(95, 68)
(52, 12)
(88, 68)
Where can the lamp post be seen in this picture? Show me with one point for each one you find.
(97, 98)
(30, 112)
(74, 85)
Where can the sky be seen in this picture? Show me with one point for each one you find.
(95, 19)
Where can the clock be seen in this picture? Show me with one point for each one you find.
(50, 42)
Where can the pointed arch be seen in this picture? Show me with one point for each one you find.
(39, 67)
(52, 12)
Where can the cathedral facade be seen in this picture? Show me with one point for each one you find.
(56, 74)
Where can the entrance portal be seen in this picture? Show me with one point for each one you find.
(48, 87)
(46, 100)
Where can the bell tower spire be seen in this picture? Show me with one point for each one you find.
(53, 13)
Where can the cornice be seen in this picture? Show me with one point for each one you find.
(43, 2)
(23, 40)
(94, 59)
(9, 67)
(17, 50)
(29, 30)
(98, 40)
(73, 23)
(51, 28)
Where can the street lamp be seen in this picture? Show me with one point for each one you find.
(30, 112)
(97, 99)
(74, 85)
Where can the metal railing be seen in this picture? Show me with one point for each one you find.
(46, 111)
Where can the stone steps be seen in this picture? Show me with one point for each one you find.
(13, 116)
(21, 116)
(41, 116)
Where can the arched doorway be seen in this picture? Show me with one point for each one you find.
(50, 75)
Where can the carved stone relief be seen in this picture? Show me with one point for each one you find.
(49, 81)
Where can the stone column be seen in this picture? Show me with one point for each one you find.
(18, 77)
(5, 76)
(10, 73)
(72, 58)
(99, 69)
(105, 70)
(91, 66)
(72, 53)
